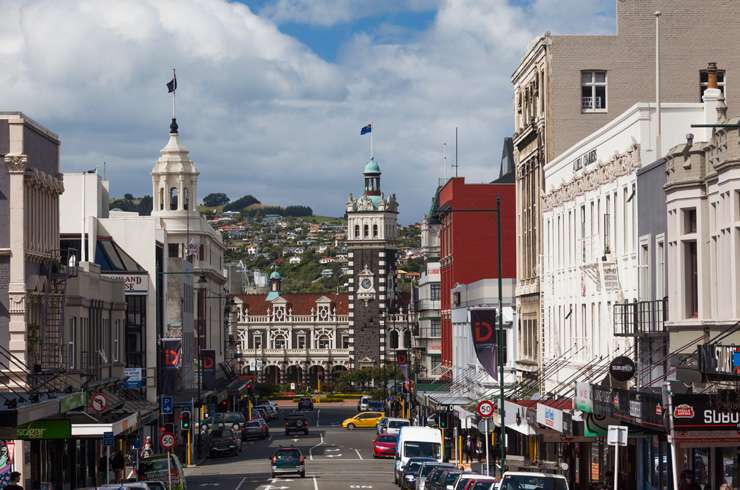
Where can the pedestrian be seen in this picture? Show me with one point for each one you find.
(118, 464)
(15, 478)
(479, 450)
(469, 449)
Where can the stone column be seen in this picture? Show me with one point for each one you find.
(17, 285)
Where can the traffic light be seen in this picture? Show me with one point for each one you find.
(185, 420)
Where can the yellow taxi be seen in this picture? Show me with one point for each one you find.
(363, 420)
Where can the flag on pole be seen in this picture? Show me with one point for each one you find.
(366, 129)
(172, 84)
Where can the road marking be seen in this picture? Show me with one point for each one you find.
(310, 451)
(315, 484)
(360, 486)
(210, 484)
(333, 450)
(241, 483)
(358, 454)
(334, 455)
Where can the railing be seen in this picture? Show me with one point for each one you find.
(292, 352)
(640, 318)
(288, 319)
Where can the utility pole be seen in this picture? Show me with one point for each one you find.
(502, 337)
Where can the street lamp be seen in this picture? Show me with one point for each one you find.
(499, 313)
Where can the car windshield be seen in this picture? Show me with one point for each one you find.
(527, 482)
(398, 423)
(414, 449)
(228, 418)
(427, 469)
(413, 467)
(151, 465)
(451, 477)
(387, 439)
(157, 485)
(482, 485)
(288, 456)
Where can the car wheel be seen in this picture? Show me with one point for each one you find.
(273, 474)
(303, 474)
(305, 432)
(351, 426)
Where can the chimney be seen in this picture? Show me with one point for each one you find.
(714, 101)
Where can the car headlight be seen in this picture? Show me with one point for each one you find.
(410, 477)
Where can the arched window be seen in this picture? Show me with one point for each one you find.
(186, 198)
(407, 339)
(366, 230)
(173, 198)
(375, 231)
(323, 342)
(161, 198)
(279, 342)
(394, 339)
(357, 231)
(201, 252)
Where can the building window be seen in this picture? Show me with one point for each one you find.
(345, 341)
(186, 199)
(257, 340)
(173, 249)
(644, 285)
(703, 76)
(324, 342)
(117, 341)
(279, 342)
(691, 279)
(659, 267)
(435, 330)
(393, 341)
(300, 341)
(689, 220)
(366, 231)
(201, 252)
(173, 198)
(435, 290)
(375, 231)
(72, 344)
(593, 91)
(357, 231)
(161, 198)
(407, 339)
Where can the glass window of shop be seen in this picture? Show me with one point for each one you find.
(135, 328)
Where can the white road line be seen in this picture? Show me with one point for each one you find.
(358, 454)
(241, 483)
(310, 451)
(315, 484)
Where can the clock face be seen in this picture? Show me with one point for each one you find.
(366, 283)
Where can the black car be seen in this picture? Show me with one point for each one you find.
(445, 478)
(435, 475)
(411, 472)
(296, 423)
(288, 460)
(305, 403)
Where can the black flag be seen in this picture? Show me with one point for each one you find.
(172, 85)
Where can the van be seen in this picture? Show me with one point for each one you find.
(416, 442)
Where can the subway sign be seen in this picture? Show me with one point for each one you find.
(705, 412)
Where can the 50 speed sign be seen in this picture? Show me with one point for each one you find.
(485, 408)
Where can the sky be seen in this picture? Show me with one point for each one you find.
(272, 93)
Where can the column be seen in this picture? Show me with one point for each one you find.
(17, 285)
(180, 194)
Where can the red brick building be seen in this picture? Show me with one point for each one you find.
(468, 240)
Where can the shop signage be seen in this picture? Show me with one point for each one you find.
(617, 435)
(134, 378)
(134, 284)
(705, 412)
(45, 429)
(635, 409)
(483, 325)
(550, 417)
(602, 400)
(584, 398)
(73, 401)
(622, 368)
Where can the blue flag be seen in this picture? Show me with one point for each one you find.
(366, 129)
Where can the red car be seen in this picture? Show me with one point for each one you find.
(384, 446)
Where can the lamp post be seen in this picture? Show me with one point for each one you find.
(500, 337)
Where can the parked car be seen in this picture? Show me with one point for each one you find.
(225, 440)
(384, 446)
(446, 479)
(256, 429)
(426, 470)
(305, 403)
(296, 422)
(393, 425)
(518, 480)
(288, 460)
(466, 480)
(481, 483)
(363, 404)
(363, 420)
(411, 471)
(234, 420)
(259, 413)
(155, 468)
(435, 475)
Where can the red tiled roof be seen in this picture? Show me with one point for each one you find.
(300, 303)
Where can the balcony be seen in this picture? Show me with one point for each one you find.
(640, 318)
(280, 353)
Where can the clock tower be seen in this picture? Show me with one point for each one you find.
(372, 232)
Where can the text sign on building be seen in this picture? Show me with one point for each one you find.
(134, 378)
(133, 283)
(550, 417)
(45, 429)
(584, 397)
(705, 412)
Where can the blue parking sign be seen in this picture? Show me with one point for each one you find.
(107, 438)
(166, 407)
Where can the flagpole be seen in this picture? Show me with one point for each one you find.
(371, 141)
(174, 91)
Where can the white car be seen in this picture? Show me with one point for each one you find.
(393, 425)
(363, 404)
(525, 480)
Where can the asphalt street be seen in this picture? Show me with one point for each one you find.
(336, 459)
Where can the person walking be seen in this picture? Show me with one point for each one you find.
(14, 484)
(469, 449)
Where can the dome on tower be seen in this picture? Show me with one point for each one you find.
(275, 275)
(372, 167)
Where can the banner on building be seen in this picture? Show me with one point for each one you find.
(208, 365)
(550, 417)
(171, 363)
(706, 412)
(402, 359)
(483, 325)
(584, 399)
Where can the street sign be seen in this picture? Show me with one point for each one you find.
(166, 407)
(167, 440)
(617, 435)
(485, 408)
(99, 402)
(134, 378)
(108, 438)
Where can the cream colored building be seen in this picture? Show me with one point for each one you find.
(566, 87)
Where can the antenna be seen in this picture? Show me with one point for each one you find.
(444, 160)
(456, 164)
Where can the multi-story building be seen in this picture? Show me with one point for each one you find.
(613, 73)
(427, 341)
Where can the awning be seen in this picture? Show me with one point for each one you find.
(443, 398)
(516, 419)
(97, 429)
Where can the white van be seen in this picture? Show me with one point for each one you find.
(416, 442)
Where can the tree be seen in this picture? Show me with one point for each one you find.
(145, 205)
(128, 197)
(241, 203)
(296, 211)
(216, 199)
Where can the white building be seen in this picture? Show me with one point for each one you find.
(590, 239)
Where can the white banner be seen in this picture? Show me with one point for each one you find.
(552, 418)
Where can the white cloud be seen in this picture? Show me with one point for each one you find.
(259, 111)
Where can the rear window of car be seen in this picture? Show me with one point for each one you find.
(254, 423)
(482, 485)
(149, 465)
(288, 456)
(387, 438)
(428, 468)
(397, 423)
(451, 477)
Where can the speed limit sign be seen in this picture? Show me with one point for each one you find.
(485, 408)
(167, 440)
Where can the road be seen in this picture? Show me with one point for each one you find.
(336, 459)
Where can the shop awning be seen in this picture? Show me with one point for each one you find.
(442, 398)
(93, 428)
(515, 416)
